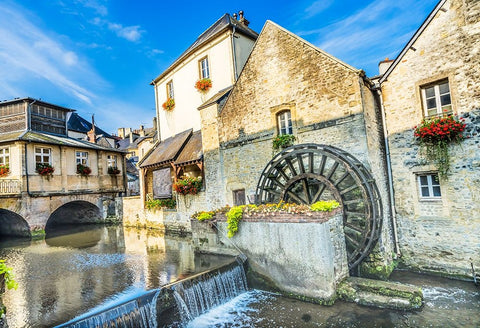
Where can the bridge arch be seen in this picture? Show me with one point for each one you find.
(307, 173)
(73, 213)
(13, 224)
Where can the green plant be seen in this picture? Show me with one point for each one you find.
(324, 206)
(234, 215)
(44, 169)
(161, 203)
(188, 185)
(169, 104)
(434, 135)
(8, 276)
(202, 216)
(83, 170)
(283, 141)
(4, 170)
(113, 170)
(203, 85)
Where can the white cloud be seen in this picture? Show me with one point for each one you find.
(26, 53)
(130, 33)
(317, 7)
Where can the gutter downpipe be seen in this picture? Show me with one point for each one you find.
(26, 156)
(393, 216)
(234, 53)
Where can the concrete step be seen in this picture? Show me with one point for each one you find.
(383, 294)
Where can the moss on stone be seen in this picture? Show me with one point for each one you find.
(38, 234)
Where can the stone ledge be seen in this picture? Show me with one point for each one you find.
(283, 217)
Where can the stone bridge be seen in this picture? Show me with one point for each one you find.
(22, 214)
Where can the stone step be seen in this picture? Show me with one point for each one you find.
(383, 294)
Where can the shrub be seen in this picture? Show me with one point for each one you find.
(234, 215)
(324, 206)
(161, 203)
(434, 135)
(44, 169)
(188, 185)
(83, 170)
(202, 216)
(7, 273)
(283, 141)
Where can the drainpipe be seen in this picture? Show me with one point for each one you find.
(234, 53)
(393, 216)
(29, 111)
(26, 172)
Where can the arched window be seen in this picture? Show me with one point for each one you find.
(284, 122)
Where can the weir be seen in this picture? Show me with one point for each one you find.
(191, 297)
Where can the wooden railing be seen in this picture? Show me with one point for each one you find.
(10, 186)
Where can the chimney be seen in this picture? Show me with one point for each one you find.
(154, 121)
(121, 133)
(141, 131)
(91, 134)
(131, 137)
(384, 65)
(242, 19)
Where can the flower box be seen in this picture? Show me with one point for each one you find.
(113, 170)
(83, 170)
(169, 104)
(4, 171)
(203, 85)
(283, 141)
(44, 169)
(187, 186)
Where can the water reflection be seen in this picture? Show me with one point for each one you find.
(69, 273)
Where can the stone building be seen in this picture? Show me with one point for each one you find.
(47, 176)
(437, 73)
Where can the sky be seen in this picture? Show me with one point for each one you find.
(99, 56)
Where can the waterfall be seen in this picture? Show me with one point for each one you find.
(198, 295)
(140, 312)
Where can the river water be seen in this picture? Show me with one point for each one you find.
(66, 276)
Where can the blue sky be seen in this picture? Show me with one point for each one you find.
(99, 56)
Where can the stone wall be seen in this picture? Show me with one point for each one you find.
(438, 235)
(304, 257)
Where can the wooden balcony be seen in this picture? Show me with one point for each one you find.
(10, 186)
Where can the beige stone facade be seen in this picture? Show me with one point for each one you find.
(440, 234)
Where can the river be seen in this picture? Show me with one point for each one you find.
(66, 275)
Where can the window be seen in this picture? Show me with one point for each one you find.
(170, 89)
(239, 197)
(436, 99)
(284, 122)
(82, 157)
(112, 161)
(4, 156)
(204, 69)
(43, 156)
(429, 186)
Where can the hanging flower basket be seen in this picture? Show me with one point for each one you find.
(169, 104)
(113, 170)
(44, 169)
(4, 170)
(203, 85)
(434, 136)
(187, 186)
(283, 141)
(83, 170)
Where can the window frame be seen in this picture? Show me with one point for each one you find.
(437, 95)
(5, 156)
(201, 69)
(431, 184)
(280, 118)
(237, 193)
(170, 90)
(112, 159)
(78, 159)
(43, 152)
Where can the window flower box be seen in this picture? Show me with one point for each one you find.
(188, 185)
(203, 85)
(4, 171)
(113, 170)
(169, 104)
(434, 136)
(283, 141)
(83, 170)
(44, 169)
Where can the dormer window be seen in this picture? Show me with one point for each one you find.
(284, 122)
(170, 93)
(204, 68)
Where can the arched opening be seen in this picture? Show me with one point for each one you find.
(12, 224)
(307, 173)
(74, 213)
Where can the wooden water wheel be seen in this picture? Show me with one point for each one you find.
(307, 173)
